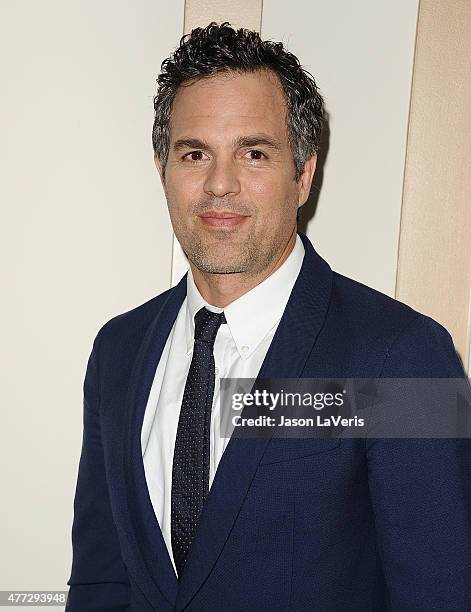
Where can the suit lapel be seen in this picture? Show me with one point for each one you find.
(146, 528)
(294, 339)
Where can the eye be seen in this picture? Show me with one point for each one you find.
(194, 156)
(256, 155)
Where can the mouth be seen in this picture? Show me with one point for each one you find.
(222, 219)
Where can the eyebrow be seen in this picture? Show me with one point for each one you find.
(253, 140)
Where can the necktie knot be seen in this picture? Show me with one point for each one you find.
(207, 324)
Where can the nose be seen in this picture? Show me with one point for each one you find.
(221, 179)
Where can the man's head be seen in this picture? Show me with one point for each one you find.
(237, 126)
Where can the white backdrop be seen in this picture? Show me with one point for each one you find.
(361, 54)
(85, 236)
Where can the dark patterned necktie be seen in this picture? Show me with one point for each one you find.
(190, 471)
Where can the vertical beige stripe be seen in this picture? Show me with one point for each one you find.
(198, 13)
(434, 265)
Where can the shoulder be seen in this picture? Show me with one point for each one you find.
(413, 341)
(128, 328)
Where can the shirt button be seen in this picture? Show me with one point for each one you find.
(216, 371)
(245, 349)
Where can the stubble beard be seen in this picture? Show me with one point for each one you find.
(224, 254)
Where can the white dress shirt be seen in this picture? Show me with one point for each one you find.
(239, 351)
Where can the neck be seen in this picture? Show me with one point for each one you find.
(222, 289)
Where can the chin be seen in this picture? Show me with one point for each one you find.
(216, 265)
(213, 267)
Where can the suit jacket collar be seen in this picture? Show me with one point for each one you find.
(291, 346)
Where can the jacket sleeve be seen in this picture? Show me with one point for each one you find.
(421, 490)
(98, 580)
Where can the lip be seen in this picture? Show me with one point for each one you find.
(222, 219)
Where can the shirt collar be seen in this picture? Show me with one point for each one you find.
(251, 316)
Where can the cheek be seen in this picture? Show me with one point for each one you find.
(259, 186)
(181, 194)
(276, 196)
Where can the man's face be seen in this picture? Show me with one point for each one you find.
(229, 156)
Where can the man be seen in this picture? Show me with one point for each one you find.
(169, 514)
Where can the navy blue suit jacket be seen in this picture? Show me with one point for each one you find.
(289, 524)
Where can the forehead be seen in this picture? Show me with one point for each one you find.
(228, 103)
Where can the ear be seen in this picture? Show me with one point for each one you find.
(305, 180)
(160, 169)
